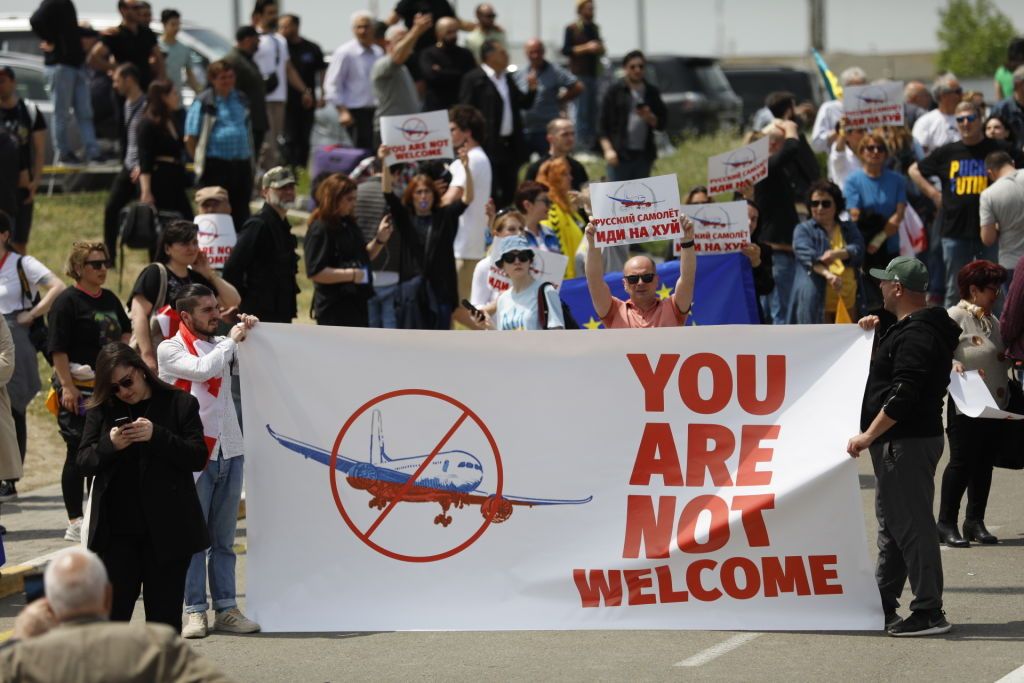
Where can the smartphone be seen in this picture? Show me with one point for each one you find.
(34, 587)
(472, 309)
(122, 421)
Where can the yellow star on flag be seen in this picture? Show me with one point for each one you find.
(592, 324)
(664, 292)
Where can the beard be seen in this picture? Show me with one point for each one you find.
(276, 201)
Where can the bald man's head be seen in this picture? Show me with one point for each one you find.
(447, 30)
(76, 585)
(534, 52)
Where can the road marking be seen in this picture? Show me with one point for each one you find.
(6, 635)
(1015, 676)
(716, 651)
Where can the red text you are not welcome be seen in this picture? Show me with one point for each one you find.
(657, 526)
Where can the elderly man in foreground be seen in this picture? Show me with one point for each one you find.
(66, 636)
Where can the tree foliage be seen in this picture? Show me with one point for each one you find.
(973, 36)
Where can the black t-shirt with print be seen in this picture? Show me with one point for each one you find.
(19, 122)
(148, 284)
(961, 169)
(80, 324)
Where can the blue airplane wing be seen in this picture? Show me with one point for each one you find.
(311, 452)
(523, 500)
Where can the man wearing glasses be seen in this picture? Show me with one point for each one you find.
(646, 306)
(938, 127)
(631, 111)
(961, 168)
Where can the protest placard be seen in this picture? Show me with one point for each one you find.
(217, 237)
(632, 211)
(416, 137)
(548, 266)
(868, 106)
(718, 228)
(746, 165)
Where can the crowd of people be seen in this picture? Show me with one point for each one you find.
(436, 246)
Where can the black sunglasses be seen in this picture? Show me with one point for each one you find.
(98, 264)
(967, 118)
(524, 256)
(633, 279)
(125, 382)
(875, 148)
(823, 203)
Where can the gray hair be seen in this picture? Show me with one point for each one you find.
(852, 76)
(394, 32)
(1018, 74)
(75, 580)
(945, 84)
(361, 14)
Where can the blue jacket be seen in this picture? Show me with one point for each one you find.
(810, 241)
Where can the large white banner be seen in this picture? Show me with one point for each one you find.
(634, 479)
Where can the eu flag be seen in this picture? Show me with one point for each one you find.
(723, 293)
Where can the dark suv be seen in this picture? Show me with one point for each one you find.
(754, 83)
(696, 93)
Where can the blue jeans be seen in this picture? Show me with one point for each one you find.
(69, 89)
(630, 169)
(783, 270)
(220, 490)
(382, 307)
(958, 252)
(585, 114)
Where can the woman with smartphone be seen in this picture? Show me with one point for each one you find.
(142, 441)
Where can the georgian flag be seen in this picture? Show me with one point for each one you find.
(205, 392)
(169, 321)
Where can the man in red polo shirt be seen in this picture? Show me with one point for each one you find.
(640, 278)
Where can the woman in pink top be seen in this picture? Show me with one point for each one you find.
(645, 307)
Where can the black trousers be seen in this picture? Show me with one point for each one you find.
(72, 481)
(133, 565)
(122, 192)
(971, 458)
(908, 546)
(169, 189)
(21, 429)
(361, 131)
(235, 176)
(298, 127)
(22, 218)
(504, 171)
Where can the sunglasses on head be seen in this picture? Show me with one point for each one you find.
(524, 256)
(823, 203)
(125, 382)
(633, 279)
(967, 118)
(98, 264)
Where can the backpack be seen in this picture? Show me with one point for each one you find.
(542, 310)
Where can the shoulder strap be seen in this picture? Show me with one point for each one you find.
(161, 297)
(26, 290)
(542, 305)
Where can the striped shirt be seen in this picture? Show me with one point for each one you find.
(132, 116)
(229, 138)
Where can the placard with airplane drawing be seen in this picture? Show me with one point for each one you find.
(416, 137)
(633, 211)
(869, 106)
(743, 166)
(718, 227)
(440, 483)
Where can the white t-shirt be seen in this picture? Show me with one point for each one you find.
(842, 164)
(470, 242)
(935, 129)
(10, 287)
(518, 310)
(269, 58)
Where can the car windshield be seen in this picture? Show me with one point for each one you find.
(712, 78)
(31, 84)
(218, 46)
(673, 76)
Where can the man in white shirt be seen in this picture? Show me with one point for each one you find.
(824, 132)
(272, 60)
(348, 85)
(938, 127)
(467, 127)
(200, 363)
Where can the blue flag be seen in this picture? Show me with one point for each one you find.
(723, 293)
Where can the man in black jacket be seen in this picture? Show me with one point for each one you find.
(901, 424)
(489, 89)
(443, 65)
(263, 263)
(631, 111)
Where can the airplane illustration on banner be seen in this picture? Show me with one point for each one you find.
(871, 100)
(638, 201)
(710, 223)
(739, 163)
(451, 479)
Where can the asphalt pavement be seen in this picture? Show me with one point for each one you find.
(984, 599)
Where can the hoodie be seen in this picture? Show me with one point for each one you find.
(909, 374)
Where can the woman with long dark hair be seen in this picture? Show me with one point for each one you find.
(179, 263)
(143, 439)
(162, 180)
(337, 256)
(429, 291)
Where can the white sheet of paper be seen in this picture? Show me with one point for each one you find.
(217, 237)
(974, 399)
(416, 137)
(748, 164)
(868, 106)
(633, 211)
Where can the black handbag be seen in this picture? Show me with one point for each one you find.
(38, 333)
(1010, 453)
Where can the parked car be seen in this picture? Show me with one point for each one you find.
(696, 93)
(754, 83)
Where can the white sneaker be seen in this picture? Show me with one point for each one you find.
(74, 532)
(195, 626)
(233, 621)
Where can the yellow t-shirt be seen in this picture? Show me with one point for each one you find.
(847, 275)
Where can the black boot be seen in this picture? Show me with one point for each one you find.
(974, 530)
(950, 535)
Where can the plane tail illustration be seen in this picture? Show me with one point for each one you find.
(377, 454)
